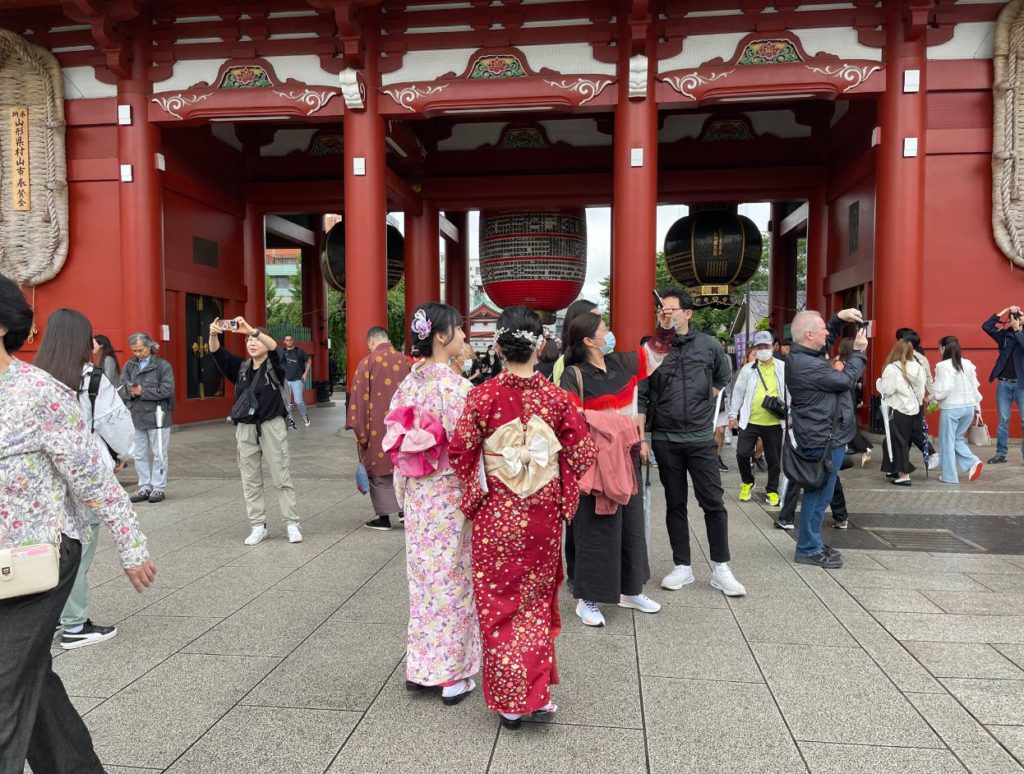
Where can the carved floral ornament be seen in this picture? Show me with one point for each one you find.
(847, 77)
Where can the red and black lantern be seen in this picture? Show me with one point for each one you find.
(332, 256)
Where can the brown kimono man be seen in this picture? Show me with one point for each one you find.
(376, 378)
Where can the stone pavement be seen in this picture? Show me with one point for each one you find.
(288, 658)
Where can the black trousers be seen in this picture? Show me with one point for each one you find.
(788, 512)
(37, 720)
(570, 553)
(901, 430)
(700, 460)
(771, 437)
(611, 549)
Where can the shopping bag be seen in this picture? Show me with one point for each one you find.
(977, 435)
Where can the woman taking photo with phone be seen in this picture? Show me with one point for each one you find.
(259, 413)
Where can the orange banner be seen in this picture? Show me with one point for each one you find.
(21, 177)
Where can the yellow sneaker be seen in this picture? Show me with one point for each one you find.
(773, 499)
(745, 491)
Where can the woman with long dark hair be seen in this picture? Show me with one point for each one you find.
(611, 547)
(106, 358)
(576, 308)
(519, 450)
(902, 388)
(956, 390)
(45, 452)
(444, 638)
(65, 354)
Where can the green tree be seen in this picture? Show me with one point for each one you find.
(280, 312)
(337, 325)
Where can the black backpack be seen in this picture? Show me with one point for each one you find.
(95, 377)
(245, 402)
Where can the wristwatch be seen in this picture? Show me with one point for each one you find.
(255, 333)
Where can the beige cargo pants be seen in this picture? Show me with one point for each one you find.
(272, 447)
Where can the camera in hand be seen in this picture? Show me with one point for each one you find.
(228, 325)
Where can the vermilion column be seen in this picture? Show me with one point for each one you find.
(456, 264)
(365, 217)
(634, 205)
(778, 271)
(817, 251)
(254, 268)
(422, 258)
(140, 201)
(314, 312)
(899, 205)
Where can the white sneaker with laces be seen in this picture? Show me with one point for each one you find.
(256, 536)
(681, 576)
(934, 462)
(723, 580)
(294, 536)
(640, 602)
(589, 613)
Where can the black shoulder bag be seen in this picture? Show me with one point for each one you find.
(810, 472)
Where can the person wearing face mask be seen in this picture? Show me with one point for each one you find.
(758, 418)
(376, 379)
(680, 406)
(611, 564)
(464, 364)
(261, 430)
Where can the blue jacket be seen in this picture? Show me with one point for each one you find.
(1010, 345)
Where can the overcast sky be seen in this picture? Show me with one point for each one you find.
(599, 237)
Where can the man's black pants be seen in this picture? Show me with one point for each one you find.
(700, 460)
(771, 436)
(37, 719)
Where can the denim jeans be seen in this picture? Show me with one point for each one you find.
(953, 449)
(151, 447)
(37, 719)
(812, 514)
(297, 387)
(1007, 393)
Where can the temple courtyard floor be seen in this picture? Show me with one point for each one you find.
(289, 658)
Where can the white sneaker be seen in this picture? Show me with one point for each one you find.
(934, 462)
(640, 602)
(589, 613)
(256, 536)
(294, 536)
(681, 576)
(723, 580)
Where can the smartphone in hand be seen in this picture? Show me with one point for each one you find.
(657, 300)
(228, 325)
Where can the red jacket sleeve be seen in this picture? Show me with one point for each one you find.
(465, 450)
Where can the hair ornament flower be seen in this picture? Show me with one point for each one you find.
(533, 338)
(421, 325)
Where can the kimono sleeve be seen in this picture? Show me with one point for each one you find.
(455, 392)
(466, 449)
(579, 453)
(358, 411)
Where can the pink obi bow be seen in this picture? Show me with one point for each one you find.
(416, 441)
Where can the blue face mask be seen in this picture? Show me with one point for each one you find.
(609, 343)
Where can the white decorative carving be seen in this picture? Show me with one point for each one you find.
(352, 89)
(584, 87)
(405, 97)
(638, 76)
(315, 99)
(683, 83)
(851, 74)
(176, 102)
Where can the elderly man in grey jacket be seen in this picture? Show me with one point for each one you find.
(822, 418)
(147, 384)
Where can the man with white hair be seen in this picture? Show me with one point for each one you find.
(147, 384)
(821, 419)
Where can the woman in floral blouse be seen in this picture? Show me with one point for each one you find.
(45, 451)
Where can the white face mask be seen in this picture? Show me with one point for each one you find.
(764, 355)
(467, 366)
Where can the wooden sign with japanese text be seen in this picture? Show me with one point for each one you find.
(21, 177)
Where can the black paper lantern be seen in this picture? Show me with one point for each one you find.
(712, 251)
(332, 256)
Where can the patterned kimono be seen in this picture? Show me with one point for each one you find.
(444, 636)
(531, 444)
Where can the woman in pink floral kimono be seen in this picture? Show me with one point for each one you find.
(444, 637)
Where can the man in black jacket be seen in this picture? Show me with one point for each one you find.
(1007, 330)
(817, 391)
(679, 401)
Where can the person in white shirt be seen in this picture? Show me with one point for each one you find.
(956, 390)
(902, 387)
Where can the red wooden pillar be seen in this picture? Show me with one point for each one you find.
(456, 264)
(254, 268)
(634, 210)
(314, 311)
(899, 205)
(365, 216)
(817, 251)
(422, 258)
(778, 271)
(140, 201)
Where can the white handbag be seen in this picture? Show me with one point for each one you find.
(29, 569)
(978, 435)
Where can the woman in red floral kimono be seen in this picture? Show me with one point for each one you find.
(519, 450)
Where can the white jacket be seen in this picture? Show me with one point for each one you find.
(953, 388)
(747, 382)
(905, 395)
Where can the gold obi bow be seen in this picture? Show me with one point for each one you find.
(523, 459)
